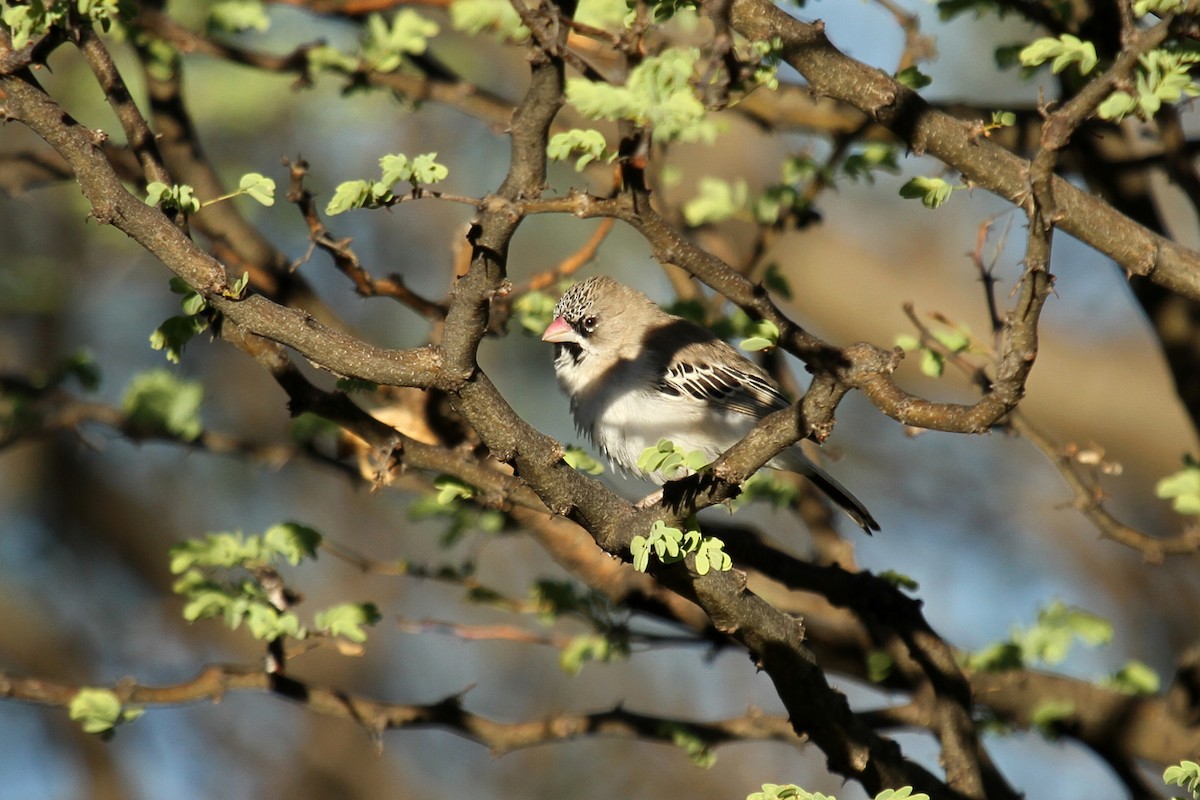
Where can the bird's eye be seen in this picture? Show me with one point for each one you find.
(589, 324)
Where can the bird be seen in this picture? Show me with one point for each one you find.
(636, 375)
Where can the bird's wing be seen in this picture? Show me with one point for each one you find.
(722, 379)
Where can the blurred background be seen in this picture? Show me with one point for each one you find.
(982, 523)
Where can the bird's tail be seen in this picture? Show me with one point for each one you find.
(796, 461)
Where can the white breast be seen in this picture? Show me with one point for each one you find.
(625, 413)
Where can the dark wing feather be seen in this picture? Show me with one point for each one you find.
(732, 382)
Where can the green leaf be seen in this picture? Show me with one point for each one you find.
(777, 203)
(267, 623)
(578, 459)
(498, 16)
(535, 311)
(933, 363)
(956, 340)
(880, 665)
(652, 457)
(1065, 50)
(235, 16)
(155, 191)
(426, 170)
(385, 45)
(1118, 106)
(764, 336)
(663, 10)
(1058, 625)
(587, 647)
(903, 793)
(766, 56)
(159, 402)
(787, 791)
(1008, 56)
(866, 160)
(658, 94)
(1159, 7)
(899, 580)
(1182, 489)
(1049, 640)
(1186, 774)
(206, 601)
(309, 427)
(606, 14)
(555, 598)
(348, 620)
(764, 485)
(81, 366)
(670, 461)
(347, 195)
(180, 197)
(259, 187)
(238, 290)
(324, 58)
(1049, 714)
(28, 22)
(1135, 678)
(589, 142)
(639, 547)
(1003, 119)
(710, 554)
(224, 549)
(396, 168)
(291, 541)
(193, 303)
(174, 334)
(663, 541)
(100, 710)
(451, 489)
(717, 201)
(932, 192)
(998, 657)
(775, 281)
(687, 739)
(913, 78)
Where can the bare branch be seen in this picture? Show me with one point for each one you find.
(217, 681)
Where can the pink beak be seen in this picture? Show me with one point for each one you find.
(559, 331)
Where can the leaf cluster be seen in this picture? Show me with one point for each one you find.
(1185, 774)
(790, 791)
(447, 502)
(100, 710)
(385, 45)
(159, 403)
(1182, 489)
(670, 545)
(1047, 641)
(395, 168)
(657, 95)
(225, 575)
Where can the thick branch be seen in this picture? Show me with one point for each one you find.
(832, 74)
(113, 205)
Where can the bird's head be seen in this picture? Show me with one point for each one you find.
(598, 322)
(597, 316)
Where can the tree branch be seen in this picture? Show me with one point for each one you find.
(832, 74)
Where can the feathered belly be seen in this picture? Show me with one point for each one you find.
(624, 427)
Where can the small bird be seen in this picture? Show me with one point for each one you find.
(636, 374)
